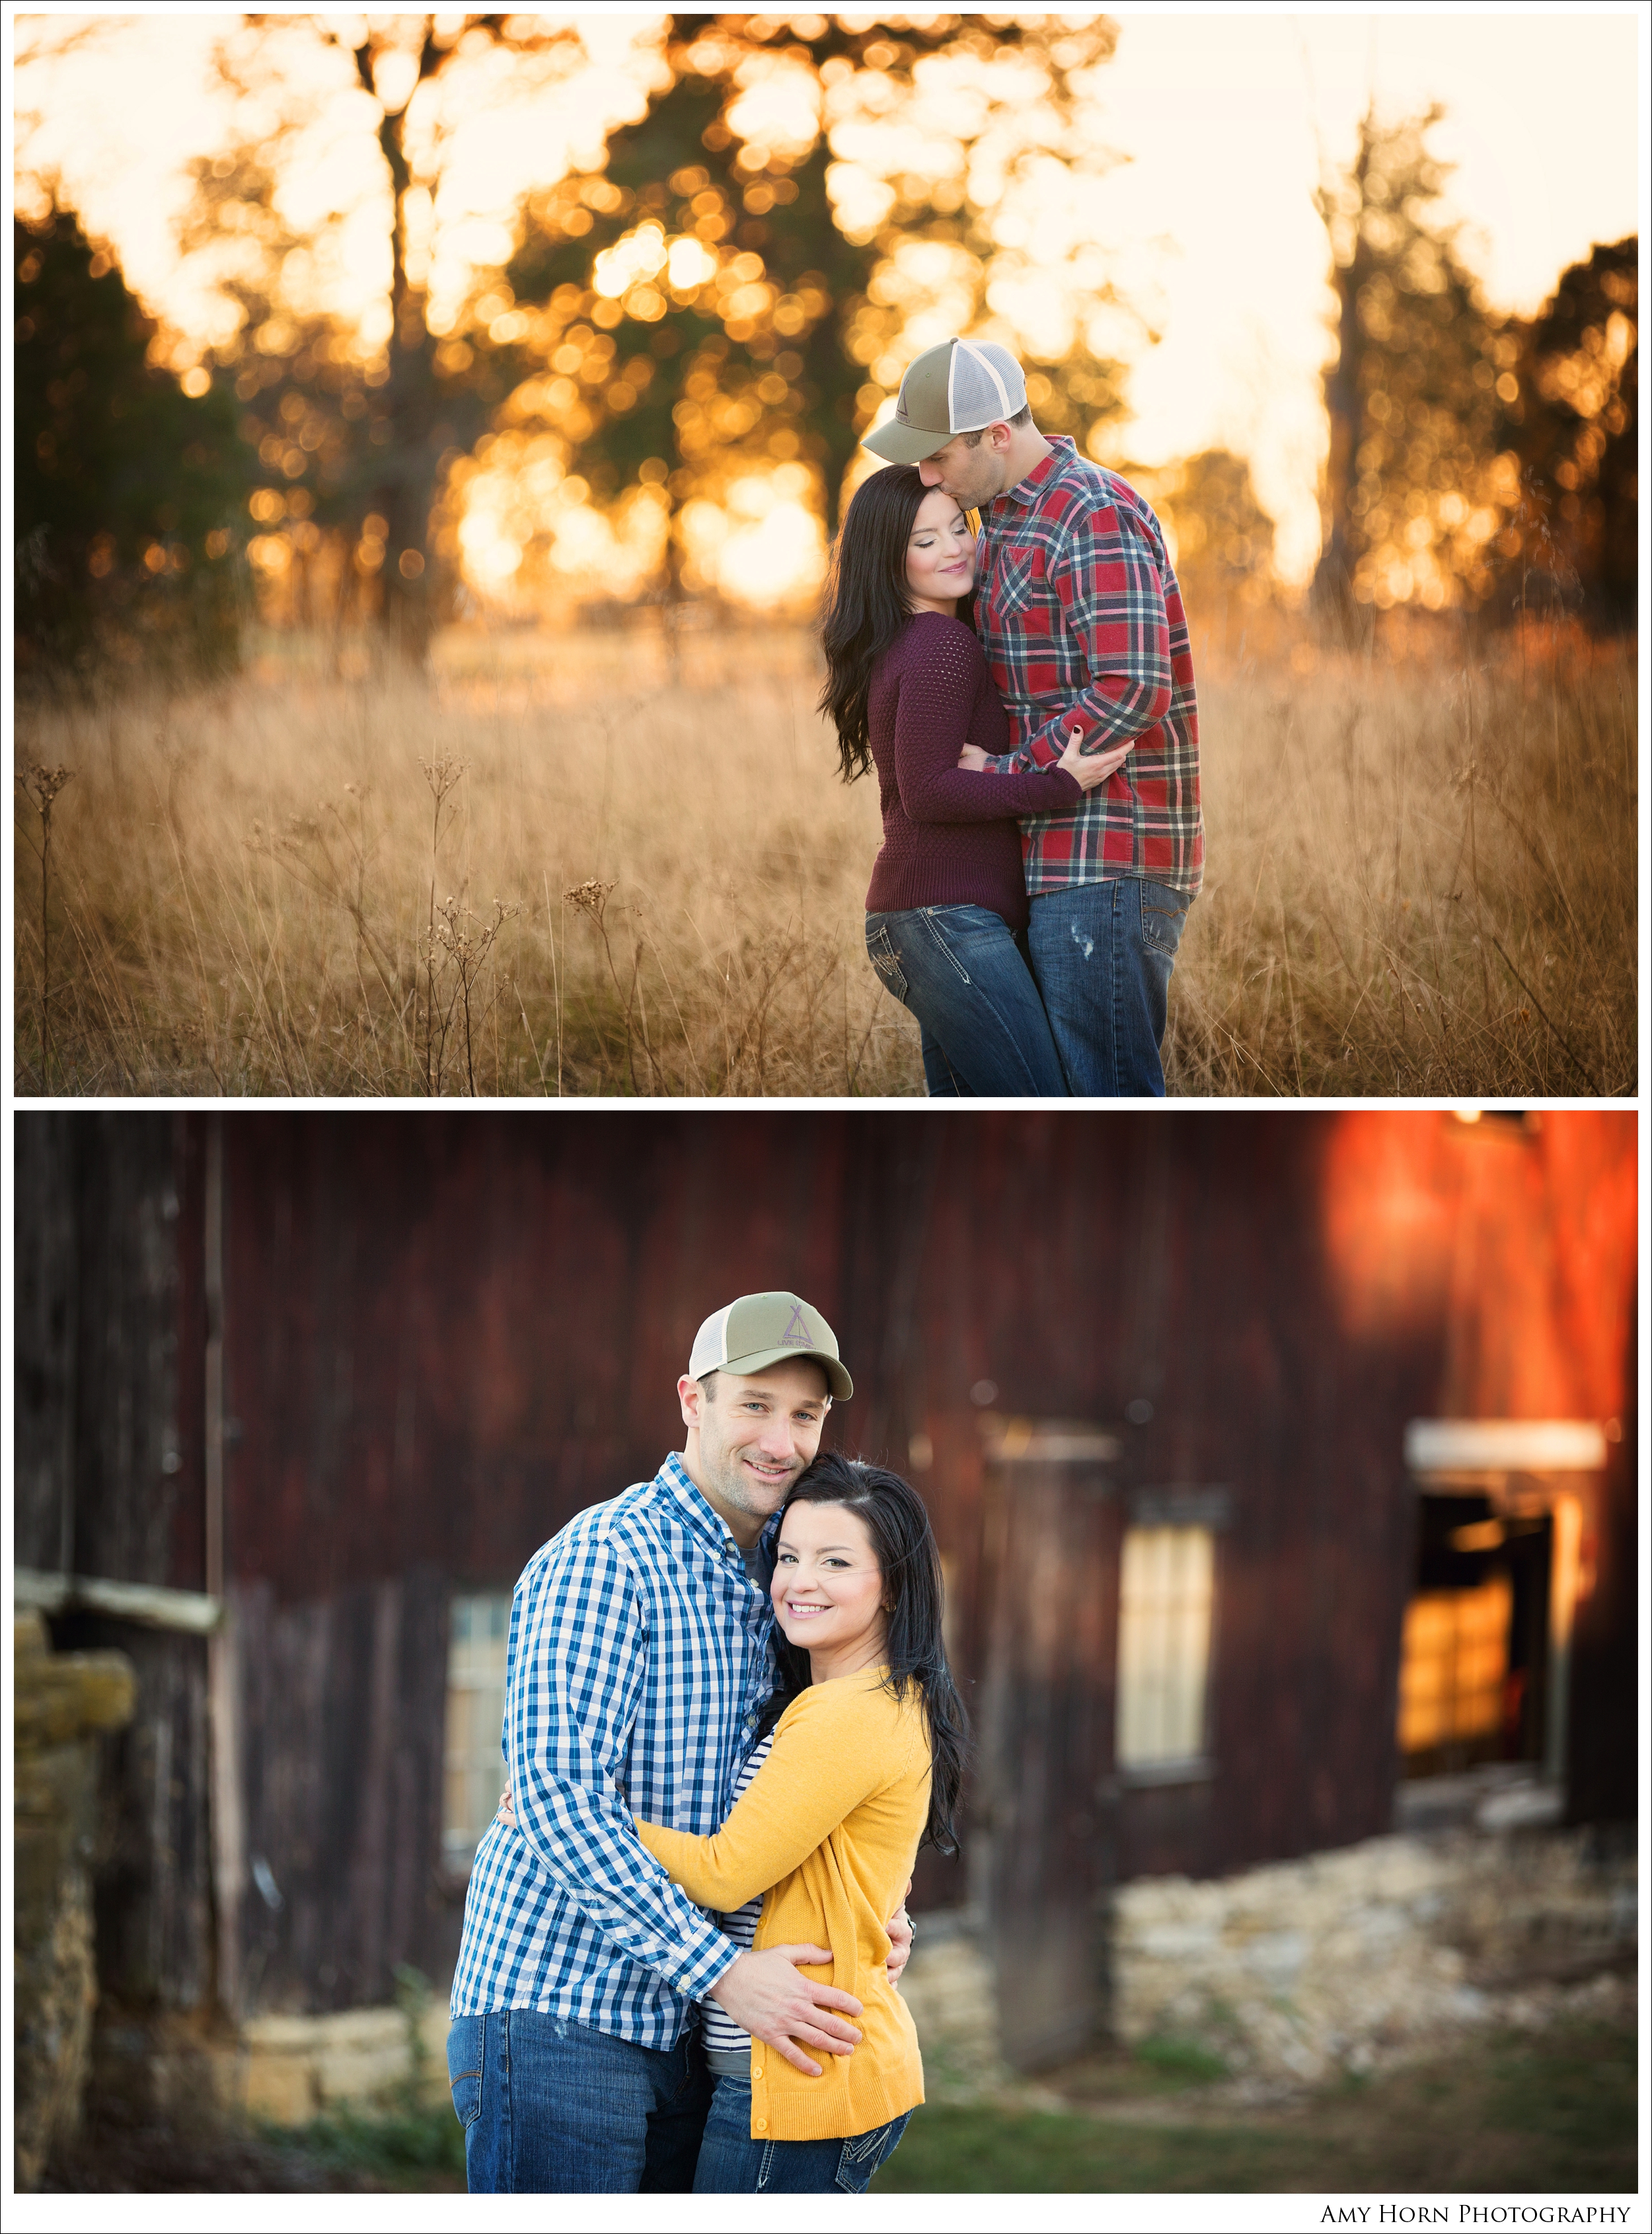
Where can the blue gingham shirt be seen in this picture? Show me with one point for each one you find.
(637, 1667)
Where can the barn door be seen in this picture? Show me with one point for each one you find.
(1044, 1852)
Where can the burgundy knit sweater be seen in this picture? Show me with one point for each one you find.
(950, 835)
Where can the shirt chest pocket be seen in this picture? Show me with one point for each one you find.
(1021, 589)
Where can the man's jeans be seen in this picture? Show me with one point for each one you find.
(962, 973)
(731, 2163)
(549, 2107)
(1102, 955)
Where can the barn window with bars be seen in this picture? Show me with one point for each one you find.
(1166, 1597)
(472, 1763)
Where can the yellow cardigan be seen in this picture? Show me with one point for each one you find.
(827, 1831)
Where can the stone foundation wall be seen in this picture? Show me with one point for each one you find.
(1295, 1973)
(290, 2069)
(1343, 1961)
(948, 1986)
(62, 1702)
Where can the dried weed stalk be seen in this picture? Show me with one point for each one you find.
(41, 785)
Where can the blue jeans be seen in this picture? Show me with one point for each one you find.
(1102, 955)
(731, 2163)
(549, 2107)
(961, 972)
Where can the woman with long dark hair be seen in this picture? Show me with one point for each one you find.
(861, 1764)
(907, 688)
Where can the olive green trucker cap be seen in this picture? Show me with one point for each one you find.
(950, 390)
(758, 1330)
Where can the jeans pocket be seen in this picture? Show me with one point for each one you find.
(1164, 914)
(864, 2153)
(465, 2053)
(880, 949)
(960, 931)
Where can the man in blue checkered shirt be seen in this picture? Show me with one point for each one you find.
(637, 1668)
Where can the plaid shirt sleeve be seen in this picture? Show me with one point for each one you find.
(1104, 575)
(577, 1653)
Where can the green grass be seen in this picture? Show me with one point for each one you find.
(1522, 2114)
(409, 2149)
(1551, 2114)
(1181, 2060)
(949, 2150)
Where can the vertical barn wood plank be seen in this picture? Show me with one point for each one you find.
(1045, 1744)
(46, 1307)
(369, 1887)
(342, 1740)
(99, 1484)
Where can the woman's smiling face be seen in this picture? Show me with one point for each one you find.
(828, 1589)
(940, 556)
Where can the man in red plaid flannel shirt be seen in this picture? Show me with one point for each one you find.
(1079, 613)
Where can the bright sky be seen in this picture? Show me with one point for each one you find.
(1220, 114)
(1211, 225)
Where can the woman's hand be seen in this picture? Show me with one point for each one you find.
(973, 757)
(1090, 768)
(899, 1929)
(507, 1812)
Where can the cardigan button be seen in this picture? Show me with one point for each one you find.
(757, 2071)
(759, 2125)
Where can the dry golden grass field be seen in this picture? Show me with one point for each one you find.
(549, 868)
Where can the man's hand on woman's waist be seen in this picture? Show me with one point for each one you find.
(771, 1999)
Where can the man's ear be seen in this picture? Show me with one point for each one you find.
(692, 1397)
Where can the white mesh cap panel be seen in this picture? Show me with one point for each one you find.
(711, 1344)
(983, 383)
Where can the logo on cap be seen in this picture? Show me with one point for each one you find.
(795, 1329)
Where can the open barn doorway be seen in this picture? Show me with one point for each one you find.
(1485, 1660)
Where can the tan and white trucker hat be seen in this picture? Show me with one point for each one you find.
(950, 390)
(758, 1330)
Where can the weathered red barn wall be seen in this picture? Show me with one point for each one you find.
(446, 1333)
(478, 1327)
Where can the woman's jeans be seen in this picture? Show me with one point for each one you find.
(1102, 955)
(731, 2163)
(550, 2107)
(962, 973)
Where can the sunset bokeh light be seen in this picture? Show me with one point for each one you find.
(1169, 231)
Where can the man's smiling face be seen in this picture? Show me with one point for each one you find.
(750, 1438)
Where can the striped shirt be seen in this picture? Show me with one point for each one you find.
(636, 1669)
(728, 2045)
(1080, 617)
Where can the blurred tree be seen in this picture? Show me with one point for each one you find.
(129, 489)
(355, 439)
(1420, 478)
(347, 465)
(1223, 537)
(1574, 540)
(738, 287)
